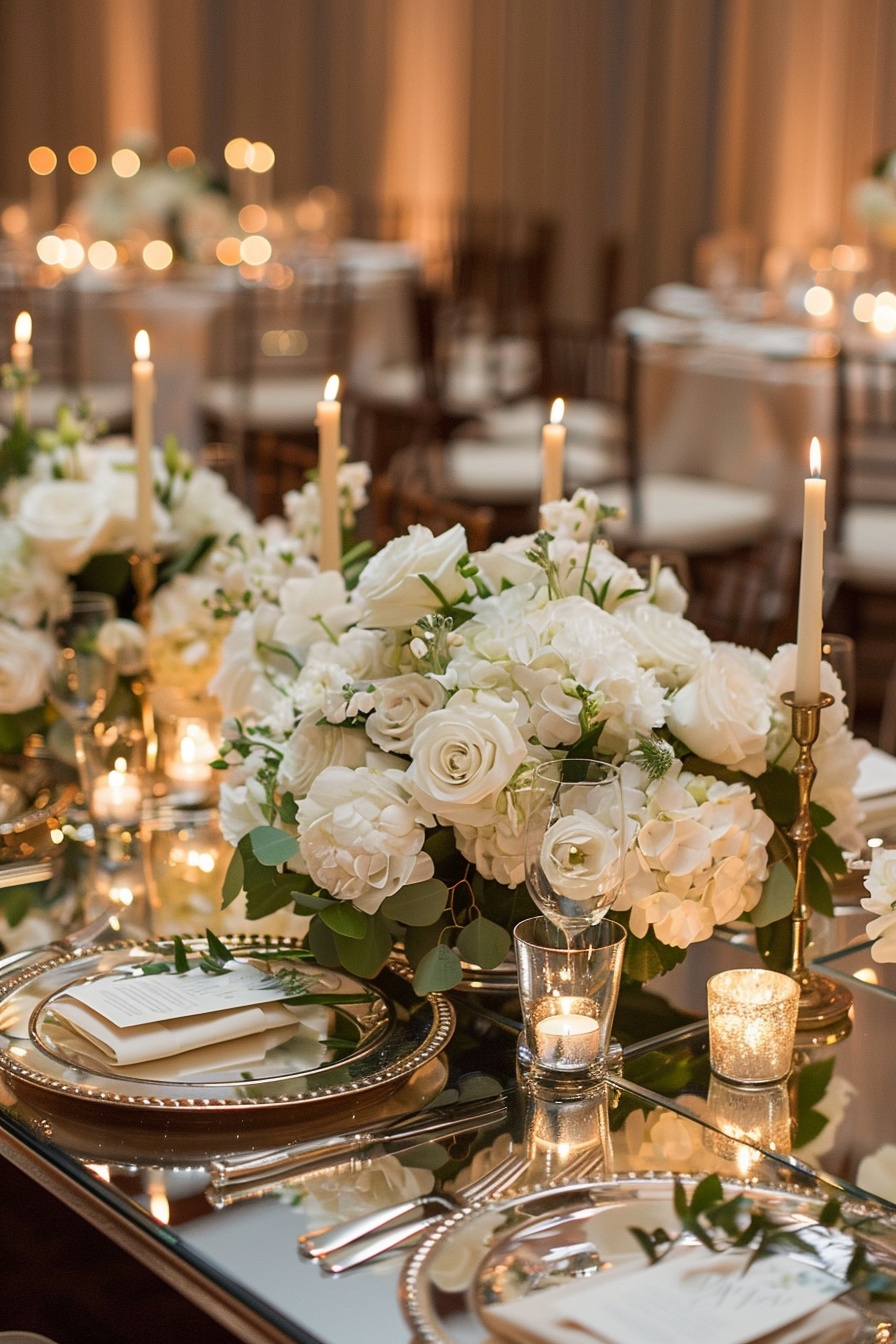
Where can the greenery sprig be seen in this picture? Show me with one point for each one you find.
(722, 1224)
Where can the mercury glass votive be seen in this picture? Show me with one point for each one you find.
(747, 1117)
(568, 996)
(752, 1022)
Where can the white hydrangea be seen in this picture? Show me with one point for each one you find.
(699, 857)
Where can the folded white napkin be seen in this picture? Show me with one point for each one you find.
(877, 774)
(159, 1040)
(831, 1324)
(690, 1293)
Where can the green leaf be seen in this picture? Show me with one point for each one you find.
(233, 879)
(417, 942)
(813, 1081)
(181, 963)
(287, 809)
(440, 845)
(680, 1201)
(483, 943)
(776, 901)
(107, 573)
(828, 854)
(216, 947)
(777, 788)
(419, 904)
(366, 956)
(709, 1191)
(343, 918)
(272, 846)
(186, 561)
(821, 816)
(322, 942)
(647, 957)
(277, 892)
(818, 893)
(307, 903)
(830, 1214)
(439, 969)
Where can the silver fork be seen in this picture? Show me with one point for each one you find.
(328, 1241)
(495, 1183)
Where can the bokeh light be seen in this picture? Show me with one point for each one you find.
(259, 157)
(235, 152)
(255, 250)
(228, 251)
(253, 218)
(125, 162)
(14, 220)
(181, 157)
(42, 160)
(158, 255)
(50, 249)
(72, 254)
(81, 160)
(819, 301)
(863, 308)
(102, 255)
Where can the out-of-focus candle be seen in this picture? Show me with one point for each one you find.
(117, 798)
(329, 413)
(808, 643)
(144, 389)
(22, 354)
(553, 439)
(752, 1021)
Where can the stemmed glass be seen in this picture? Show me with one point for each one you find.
(83, 678)
(576, 840)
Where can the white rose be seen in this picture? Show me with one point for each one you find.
(206, 508)
(399, 705)
(243, 682)
(30, 587)
(361, 835)
(26, 657)
(312, 607)
(390, 592)
(880, 882)
(314, 746)
(125, 644)
(723, 713)
(580, 857)
(670, 646)
(242, 801)
(69, 521)
(463, 756)
(506, 562)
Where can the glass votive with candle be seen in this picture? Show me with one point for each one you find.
(568, 996)
(116, 799)
(187, 746)
(188, 859)
(752, 1023)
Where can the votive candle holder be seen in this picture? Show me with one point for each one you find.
(752, 1023)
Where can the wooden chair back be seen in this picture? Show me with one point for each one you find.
(397, 505)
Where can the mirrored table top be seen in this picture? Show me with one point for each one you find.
(662, 1112)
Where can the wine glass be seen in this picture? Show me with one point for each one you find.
(575, 842)
(83, 678)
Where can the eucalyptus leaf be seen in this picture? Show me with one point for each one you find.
(343, 918)
(274, 895)
(233, 879)
(483, 943)
(776, 901)
(419, 904)
(272, 846)
(818, 893)
(365, 956)
(322, 942)
(439, 969)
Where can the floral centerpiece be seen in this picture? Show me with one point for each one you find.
(383, 736)
(873, 200)
(67, 516)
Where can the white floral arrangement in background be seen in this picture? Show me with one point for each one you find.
(382, 741)
(873, 200)
(880, 882)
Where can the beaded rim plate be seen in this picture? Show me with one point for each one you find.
(404, 1033)
(507, 1248)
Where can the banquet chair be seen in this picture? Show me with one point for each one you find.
(278, 466)
(700, 515)
(398, 504)
(276, 348)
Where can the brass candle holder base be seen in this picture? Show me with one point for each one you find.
(824, 1003)
(143, 577)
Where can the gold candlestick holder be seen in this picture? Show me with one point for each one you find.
(824, 1004)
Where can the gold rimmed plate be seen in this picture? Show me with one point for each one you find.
(334, 1055)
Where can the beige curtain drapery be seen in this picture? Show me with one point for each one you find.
(646, 121)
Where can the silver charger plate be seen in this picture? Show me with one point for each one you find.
(358, 1051)
(504, 1250)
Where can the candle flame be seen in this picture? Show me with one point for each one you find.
(141, 344)
(23, 328)
(815, 458)
(331, 391)
(557, 411)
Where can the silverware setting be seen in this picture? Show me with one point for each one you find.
(250, 1176)
(357, 1242)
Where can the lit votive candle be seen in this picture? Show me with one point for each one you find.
(752, 1022)
(193, 754)
(567, 1040)
(117, 798)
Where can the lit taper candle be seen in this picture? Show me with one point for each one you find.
(329, 413)
(553, 439)
(144, 386)
(808, 641)
(22, 354)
